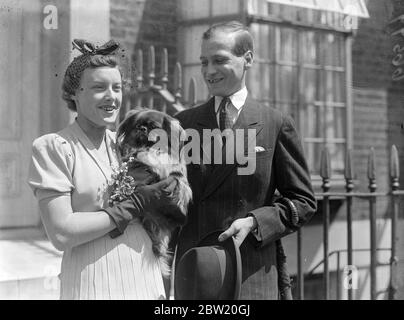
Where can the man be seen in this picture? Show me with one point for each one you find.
(244, 205)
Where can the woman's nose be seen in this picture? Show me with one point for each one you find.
(109, 94)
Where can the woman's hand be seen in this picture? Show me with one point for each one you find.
(145, 198)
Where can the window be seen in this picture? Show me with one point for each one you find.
(302, 73)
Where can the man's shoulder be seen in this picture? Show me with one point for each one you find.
(192, 111)
(268, 112)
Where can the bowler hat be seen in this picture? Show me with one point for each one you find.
(209, 271)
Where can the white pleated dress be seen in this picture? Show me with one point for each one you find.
(122, 268)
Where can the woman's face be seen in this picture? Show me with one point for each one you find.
(99, 97)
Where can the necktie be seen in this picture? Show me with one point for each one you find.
(224, 114)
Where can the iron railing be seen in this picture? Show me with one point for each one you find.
(326, 196)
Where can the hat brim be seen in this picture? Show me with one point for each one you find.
(212, 240)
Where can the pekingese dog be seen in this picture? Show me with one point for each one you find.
(149, 141)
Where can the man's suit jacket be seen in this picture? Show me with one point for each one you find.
(220, 195)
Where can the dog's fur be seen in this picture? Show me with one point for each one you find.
(151, 165)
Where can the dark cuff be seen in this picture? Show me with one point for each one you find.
(121, 219)
(292, 211)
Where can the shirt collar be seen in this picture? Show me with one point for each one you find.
(237, 99)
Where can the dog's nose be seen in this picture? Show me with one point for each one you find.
(143, 129)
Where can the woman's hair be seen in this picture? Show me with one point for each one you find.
(90, 58)
(243, 38)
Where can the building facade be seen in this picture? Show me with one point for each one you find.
(334, 66)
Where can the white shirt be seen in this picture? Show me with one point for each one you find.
(237, 102)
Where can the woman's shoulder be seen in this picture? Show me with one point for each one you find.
(59, 142)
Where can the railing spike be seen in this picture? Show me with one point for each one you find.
(139, 66)
(371, 172)
(349, 171)
(178, 81)
(325, 169)
(151, 65)
(371, 164)
(394, 168)
(192, 92)
(164, 68)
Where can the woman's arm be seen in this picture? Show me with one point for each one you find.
(67, 229)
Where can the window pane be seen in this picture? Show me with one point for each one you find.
(335, 91)
(312, 124)
(288, 49)
(286, 88)
(287, 108)
(264, 35)
(310, 85)
(336, 126)
(309, 47)
(337, 156)
(193, 9)
(312, 152)
(259, 81)
(225, 7)
(334, 50)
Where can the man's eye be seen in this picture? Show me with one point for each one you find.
(204, 63)
(220, 61)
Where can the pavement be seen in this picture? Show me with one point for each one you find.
(29, 265)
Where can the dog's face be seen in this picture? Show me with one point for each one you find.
(136, 131)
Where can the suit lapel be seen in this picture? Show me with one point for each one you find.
(250, 118)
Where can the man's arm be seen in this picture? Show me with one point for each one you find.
(292, 179)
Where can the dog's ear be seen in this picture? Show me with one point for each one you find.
(125, 126)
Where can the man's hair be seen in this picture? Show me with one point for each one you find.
(243, 39)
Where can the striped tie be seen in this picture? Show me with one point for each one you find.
(224, 115)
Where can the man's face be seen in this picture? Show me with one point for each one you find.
(223, 72)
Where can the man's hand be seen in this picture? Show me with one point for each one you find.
(240, 228)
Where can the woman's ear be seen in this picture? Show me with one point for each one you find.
(248, 58)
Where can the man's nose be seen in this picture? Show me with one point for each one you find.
(210, 69)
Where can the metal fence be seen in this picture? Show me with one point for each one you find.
(349, 197)
(147, 88)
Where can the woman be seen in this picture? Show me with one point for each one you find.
(69, 175)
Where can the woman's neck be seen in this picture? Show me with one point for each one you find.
(94, 133)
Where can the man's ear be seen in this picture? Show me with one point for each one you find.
(249, 58)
